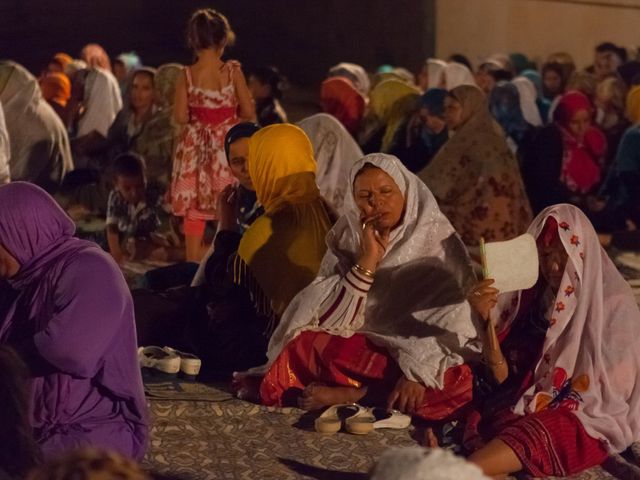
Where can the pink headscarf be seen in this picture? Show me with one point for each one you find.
(95, 56)
(590, 360)
(340, 98)
(582, 157)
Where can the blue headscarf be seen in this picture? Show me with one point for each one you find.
(433, 100)
(504, 103)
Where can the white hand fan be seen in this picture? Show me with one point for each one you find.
(512, 264)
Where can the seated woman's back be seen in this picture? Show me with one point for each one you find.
(289, 237)
(71, 319)
(38, 141)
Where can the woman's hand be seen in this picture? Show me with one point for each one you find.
(596, 204)
(227, 203)
(483, 297)
(374, 243)
(407, 396)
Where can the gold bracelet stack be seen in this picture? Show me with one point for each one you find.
(364, 271)
(495, 364)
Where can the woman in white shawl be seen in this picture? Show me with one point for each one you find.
(102, 102)
(566, 357)
(96, 101)
(432, 74)
(386, 317)
(456, 74)
(39, 144)
(335, 151)
(528, 95)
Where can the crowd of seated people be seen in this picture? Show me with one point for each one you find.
(325, 262)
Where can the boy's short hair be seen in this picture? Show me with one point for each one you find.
(128, 164)
(613, 48)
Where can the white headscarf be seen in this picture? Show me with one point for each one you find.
(416, 308)
(74, 67)
(39, 143)
(528, 95)
(435, 71)
(591, 355)
(417, 463)
(358, 76)
(335, 151)
(103, 101)
(5, 150)
(456, 74)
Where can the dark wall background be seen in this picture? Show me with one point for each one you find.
(302, 37)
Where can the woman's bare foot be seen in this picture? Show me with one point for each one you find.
(316, 396)
(246, 387)
(429, 439)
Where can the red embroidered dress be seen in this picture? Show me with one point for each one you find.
(200, 170)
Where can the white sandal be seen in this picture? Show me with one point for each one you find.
(159, 359)
(368, 419)
(189, 364)
(331, 420)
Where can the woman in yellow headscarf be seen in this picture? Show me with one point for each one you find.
(633, 104)
(280, 254)
(250, 279)
(392, 102)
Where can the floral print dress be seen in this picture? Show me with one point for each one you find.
(200, 170)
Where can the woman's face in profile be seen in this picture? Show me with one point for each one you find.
(377, 195)
(553, 260)
(452, 113)
(238, 154)
(552, 82)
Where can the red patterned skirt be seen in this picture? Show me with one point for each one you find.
(551, 442)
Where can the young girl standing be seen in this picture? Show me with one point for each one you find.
(211, 97)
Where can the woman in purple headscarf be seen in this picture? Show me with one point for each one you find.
(65, 307)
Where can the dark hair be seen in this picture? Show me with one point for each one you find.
(241, 130)
(128, 164)
(433, 101)
(555, 67)
(613, 48)
(89, 462)
(148, 71)
(270, 76)
(630, 73)
(459, 58)
(560, 70)
(208, 28)
(496, 71)
(20, 452)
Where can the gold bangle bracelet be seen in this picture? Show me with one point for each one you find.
(496, 364)
(364, 271)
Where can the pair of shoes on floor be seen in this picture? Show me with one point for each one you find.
(170, 361)
(359, 420)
